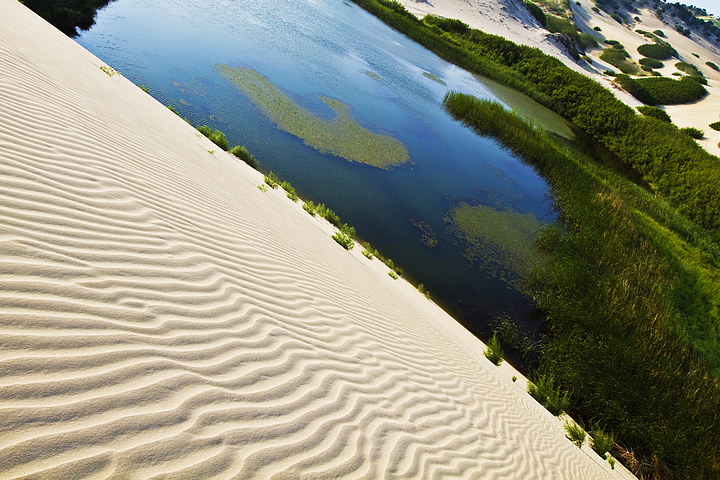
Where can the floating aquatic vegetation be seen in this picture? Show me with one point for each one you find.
(341, 136)
(429, 237)
(499, 242)
(373, 75)
(434, 78)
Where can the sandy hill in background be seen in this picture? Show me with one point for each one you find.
(510, 19)
(162, 317)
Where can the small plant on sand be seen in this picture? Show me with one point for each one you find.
(393, 275)
(262, 187)
(575, 433)
(243, 154)
(494, 352)
(345, 237)
(272, 180)
(215, 136)
(290, 191)
(109, 70)
(543, 390)
(367, 250)
(601, 442)
(309, 207)
(144, 88)
(328, 214)
(514, 378)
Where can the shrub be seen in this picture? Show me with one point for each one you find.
(575, 433)
(536, 12)
(243, 154)
(542, 390)
(447, 24)
(616, 17)
(344, 237)
(215, 136)
(272, 180)
(367, 250)
(393, 275)
(700, 80)
(596, 9)
(290, 191)
(328, 214)
(309, 207)
(662, 90)
(651, 62)
(601, 442)
(713, 66)
(688, 68)
(597, 29)
(390, 264)
(655, 112)
(618, 58)
(587, 41)
(494, 352)
(715, 126)
(657, 51)
(659, 33)
(693, 132)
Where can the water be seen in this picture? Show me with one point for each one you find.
(310, 49)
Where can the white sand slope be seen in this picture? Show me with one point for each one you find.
(161, 317)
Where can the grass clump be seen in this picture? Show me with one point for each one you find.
(659, 33)
(688, 68)
(713, 66)
(618, 58)
(272, 180)
(655, 112)
(289, 191)
(537, 12)
(601, 441)
(215, 136)
(393, 275)
(662, 90)
(658, 51)
(693, 132)
(494, 352)
(421, 288)
(367, 250)
(651, 62)
(345, 237)
(242, 153)
(575, 433)
(543, 390)
(715, 126)
(328, 214)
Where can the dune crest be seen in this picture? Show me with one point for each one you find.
(161, 317)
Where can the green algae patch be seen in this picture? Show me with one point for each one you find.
(341, 136)
(499, 242)
(373, 75)
(434, 78)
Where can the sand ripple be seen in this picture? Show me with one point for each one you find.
(160, 317)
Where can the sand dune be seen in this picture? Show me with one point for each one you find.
(161, 317)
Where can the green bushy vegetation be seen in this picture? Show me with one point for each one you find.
(309, 207)
(651, 62)
(659, 33)
(662, 90)
(715, 126)
(215, 136)
(658, 51)
(693, 132)
(328, 214)
(345, 237)
(537, 12)
(713, 66)
(67, 15)
(655, 112)
(618, 58)
(242, 153)
(602, 442)
(627, 282)
(575, 433)
(290, 191)
(272, 180)
(688, 68)
(494, 352)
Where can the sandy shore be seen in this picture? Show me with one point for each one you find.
(510, 19)
(162, 317)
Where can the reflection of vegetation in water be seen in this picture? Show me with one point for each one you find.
(341, 136)
(429, 237)
(373, 75)
(498, 242)
(434, 78)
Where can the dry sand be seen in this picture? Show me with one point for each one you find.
(162, 317)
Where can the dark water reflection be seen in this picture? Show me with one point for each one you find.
(310, 49)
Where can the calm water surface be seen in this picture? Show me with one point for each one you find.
(311, 49)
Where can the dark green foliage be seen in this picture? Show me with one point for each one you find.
(542, 389)
(368, 251)
(575, 433)
(688, 68)
(616, 17)
(345, 237)
(693, 132)
(659, 33)
(596, 9)
(657, 51)
(597, 29)
(447, 24)
(651, 62)
(655, 112)
(328, 214)
(713, 66)
(243, 154)
(215, 136)
(536, 12)
(272, 180)
(587, 41)
(715, 126)
(494, 352)
(700, 80)
(602, 442)
(618, 58)
(309, 207)
(290, 191)
(662, 91)
(67, 15)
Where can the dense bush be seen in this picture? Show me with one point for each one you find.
(536, 12)
(700, 80)
(215, 136)
(659, 33)
(542, 389)
(688, 68)
(328, 214)
(618, 58)
(447, 24)
(655, 112)
(243, 154)
(661, 90)
(713, 66)
(272, 180)
(494, 352)
(651, 62)
(715, 126)
(693, 132)
(290, 191)
(657, 51)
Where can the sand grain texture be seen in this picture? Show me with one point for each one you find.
(161, 317)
